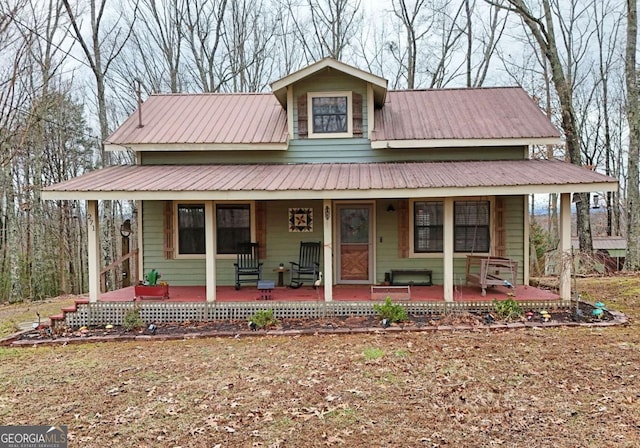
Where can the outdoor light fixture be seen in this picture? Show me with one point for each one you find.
(391, 208)
(125, 228)
(327, 213)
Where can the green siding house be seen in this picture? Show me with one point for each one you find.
(386, 180)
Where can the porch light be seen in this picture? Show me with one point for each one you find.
(125, 228)
(327, 213)
(596, 201)
(391, 208)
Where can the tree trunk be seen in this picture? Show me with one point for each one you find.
(632, 259)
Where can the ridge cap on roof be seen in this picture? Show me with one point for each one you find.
(207, 93)
(441, 89)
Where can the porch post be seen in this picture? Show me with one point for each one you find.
(564, 247)
(93, 230)
(327, 213)
(210, 251)
(447, 251)
(527, 246)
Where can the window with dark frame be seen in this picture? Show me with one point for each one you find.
(471, 226)
(330, 114)
(428, 227)
(191, 230)
(233, 226)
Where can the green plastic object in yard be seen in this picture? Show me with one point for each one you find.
(152, 277)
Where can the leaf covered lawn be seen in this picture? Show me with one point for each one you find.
(566, 387)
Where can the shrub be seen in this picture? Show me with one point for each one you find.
(393, 312)
(263, 318)
(132, 320)
(508, 309)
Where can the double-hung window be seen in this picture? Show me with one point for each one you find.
(191, 230)
(471, 226)
(471, 232)
(330, 114)
(428, 226)
(233, 226)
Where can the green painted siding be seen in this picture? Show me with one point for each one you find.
(514, 221)
(356, 150)
(282, 245)
(387, 244)
(178, 272)
(330, 82)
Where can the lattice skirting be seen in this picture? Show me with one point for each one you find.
(103, 313)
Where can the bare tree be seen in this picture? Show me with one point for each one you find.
(249, 41)
(483, 44)
(325, 28)
(632, 259)
(542, 27)
(417, 23)
(100, 52)
(204, 28)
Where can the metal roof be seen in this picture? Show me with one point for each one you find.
(210, 118)
(460, 114)
(331, 180)
(603, 243)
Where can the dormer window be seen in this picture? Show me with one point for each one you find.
(330, 114)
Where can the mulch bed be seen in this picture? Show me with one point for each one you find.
(336, 324)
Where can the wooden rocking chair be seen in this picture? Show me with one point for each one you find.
(308, 265)
(248, 264)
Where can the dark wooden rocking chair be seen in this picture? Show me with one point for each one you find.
(248, 264)
(308, 265)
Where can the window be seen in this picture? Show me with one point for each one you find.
(471, 226)
(191, 235)
(428, 222)
(233, 226)
(471, 232)
(330, 114)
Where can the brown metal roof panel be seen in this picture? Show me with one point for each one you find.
(393, 176)
(206, 118)
(484, 113)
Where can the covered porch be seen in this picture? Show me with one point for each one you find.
(330, 186)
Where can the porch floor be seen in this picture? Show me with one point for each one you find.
(356, 293)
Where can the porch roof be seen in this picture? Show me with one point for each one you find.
(331, 181)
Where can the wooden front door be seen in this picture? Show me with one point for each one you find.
(355, 243)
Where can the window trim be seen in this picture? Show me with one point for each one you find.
(252, 218)
(311, 95)
(492, 210)
(176, 231)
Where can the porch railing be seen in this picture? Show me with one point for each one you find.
(125, 265)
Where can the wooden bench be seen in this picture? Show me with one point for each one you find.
(425, 275)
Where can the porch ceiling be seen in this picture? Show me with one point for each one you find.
(331, 181)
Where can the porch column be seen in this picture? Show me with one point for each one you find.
(564, 247)
(93, 230)
(210, 251)
(527, 246)
(327, 213)
(447, 250)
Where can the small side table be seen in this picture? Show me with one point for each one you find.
(265, 287)
(281, 270)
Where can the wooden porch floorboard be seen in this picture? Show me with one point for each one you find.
(360, 293)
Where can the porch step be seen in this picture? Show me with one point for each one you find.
(58, 318)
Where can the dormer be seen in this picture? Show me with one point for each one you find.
(330, 99)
